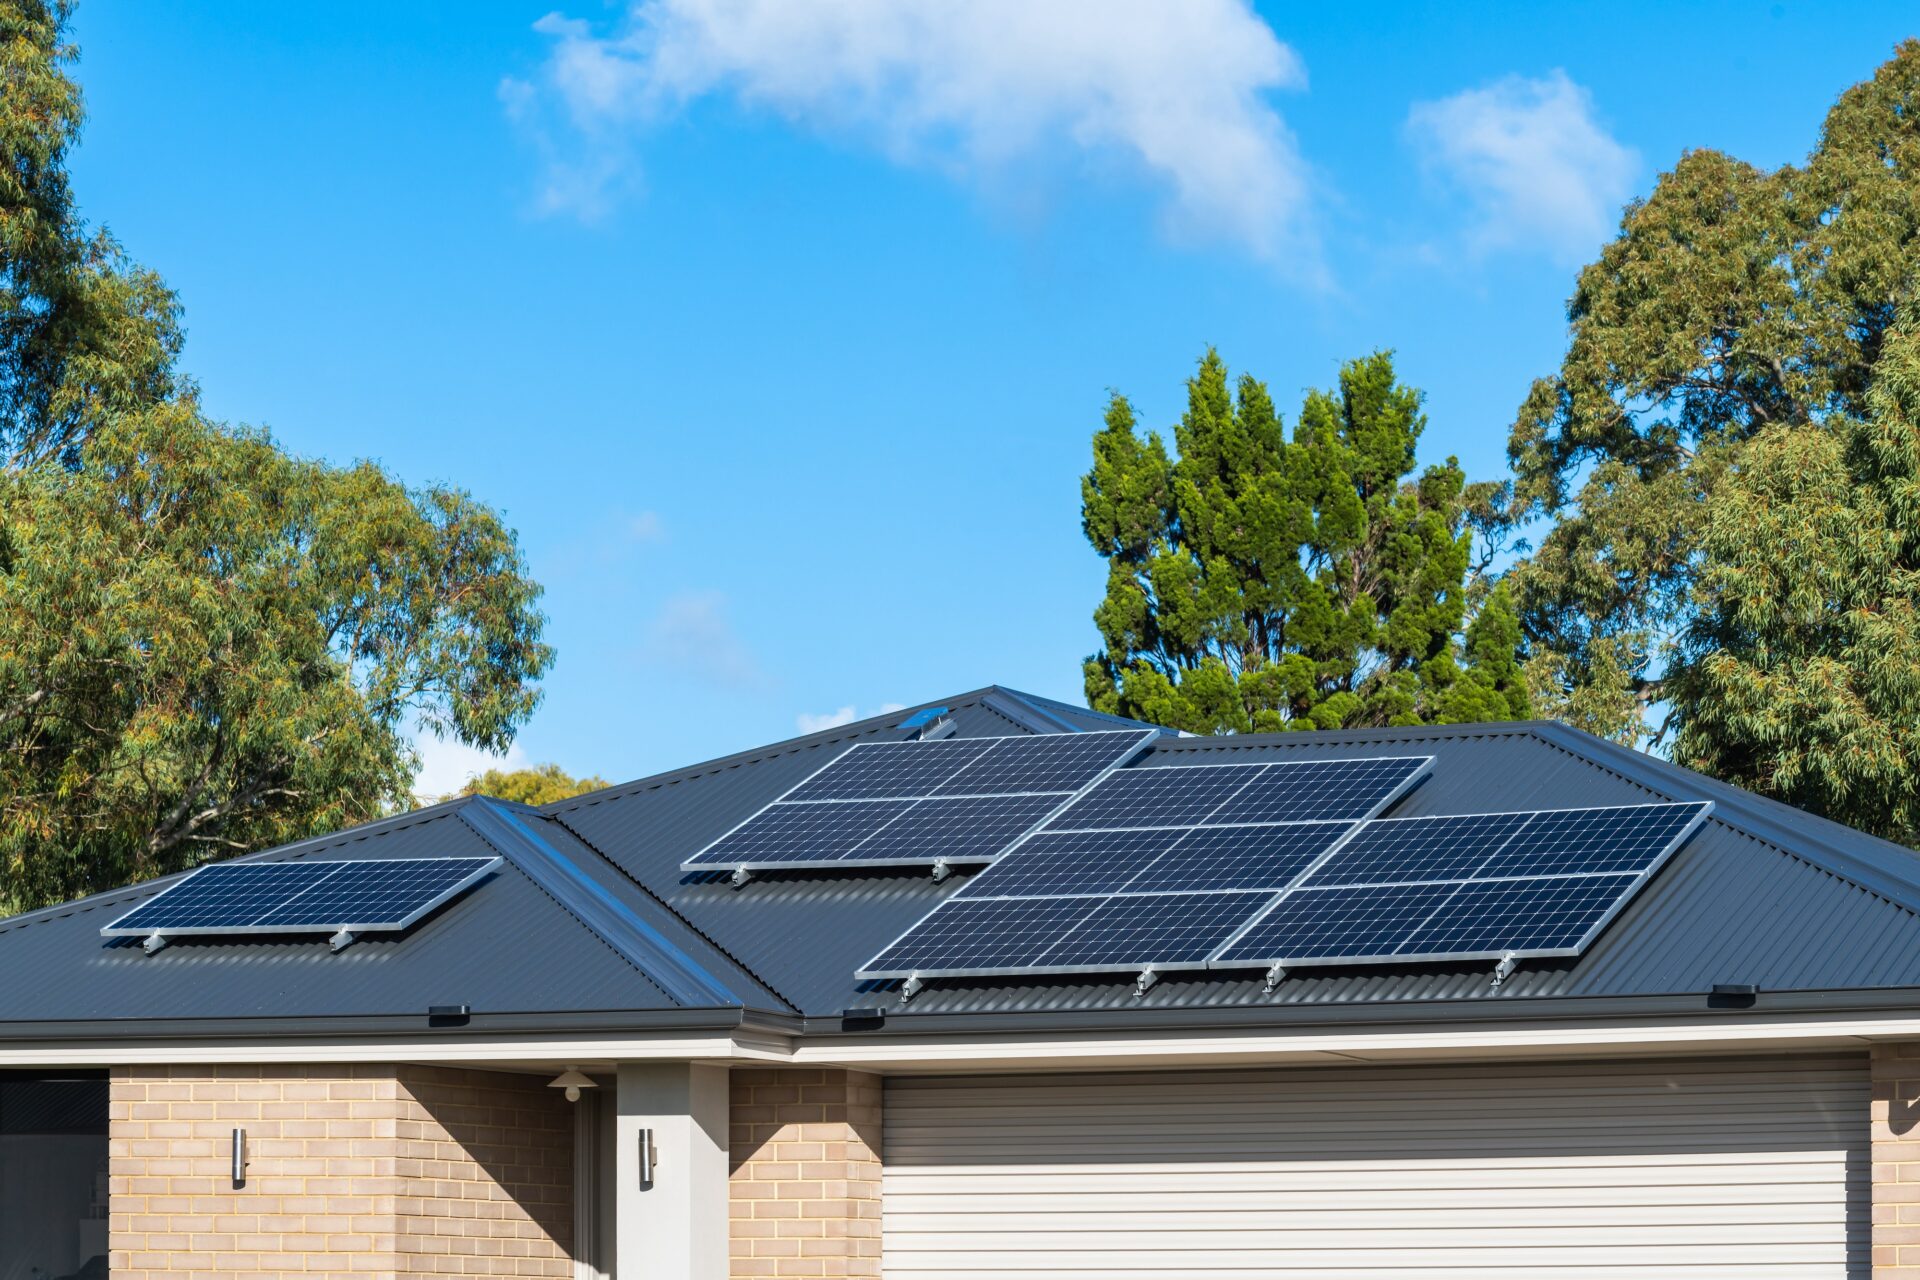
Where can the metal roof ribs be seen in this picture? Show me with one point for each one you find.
(676, 973)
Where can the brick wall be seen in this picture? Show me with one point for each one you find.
(1896, 1161)
(351, 1172)
(804, 1191)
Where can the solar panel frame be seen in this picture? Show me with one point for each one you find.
(1635, 881)
(1433, 894)
(1414, 769)
(476, 870)
(1125, 745)
(1250, 775)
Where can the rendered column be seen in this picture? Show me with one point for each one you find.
(673, 1226)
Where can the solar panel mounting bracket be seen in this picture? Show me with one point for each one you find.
(341, 941)
(941, 870)
(1148, 976)
(153, 943)
(1274, 975)
(739, 877)
(1504, 970)
(911, 987)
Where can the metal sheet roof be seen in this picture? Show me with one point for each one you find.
(1738, 904)
(593, 913)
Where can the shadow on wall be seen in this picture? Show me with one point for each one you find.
(510, 1139)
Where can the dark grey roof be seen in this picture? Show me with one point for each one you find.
(593, 920)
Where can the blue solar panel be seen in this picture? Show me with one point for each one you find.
(1236, 857)
(961, 800)
(1590, 840)
(794, 833)
(1346, 924)
(1395, 850)
(1418, 889)
(225, 896)
(1053, 864)
(1538, 914)
(1318, 790)
(1240, 794)
(1053, 762)
(1157, 797)
(294, 897)
(971, 829)
(897, 770)
(1135, 931)
(992, 934)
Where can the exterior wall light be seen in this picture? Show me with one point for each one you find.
(573, 1080)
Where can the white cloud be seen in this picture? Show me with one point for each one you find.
(446, 765)
(1177, 89)
(810, 723)
(694, 635)
(647, 527)
(1532, 159)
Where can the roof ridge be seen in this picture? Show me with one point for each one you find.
(1735, 808)
(766, 751)
(677, 975)
(671, 910)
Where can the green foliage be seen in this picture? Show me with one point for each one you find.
(538, 785)
(206, 645)
(1801, 676)
(1733, 302)
(1261, 583)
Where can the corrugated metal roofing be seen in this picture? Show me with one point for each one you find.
(1763, 894)
(1731, 907)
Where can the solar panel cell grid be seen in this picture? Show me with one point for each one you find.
(974, 829)
(879, 770)
(1161, 797)
(992, 933)
(1053, 864)
(1404, 849)
(1133, 932)
(1059, 762)
(1236, 858)
(804, 832)
(1357, 924)
(1320, 789)
(291, 897)
(230, 895)
(1551, 913)
(1589, 840)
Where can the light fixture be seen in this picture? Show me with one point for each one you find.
(573, 1080)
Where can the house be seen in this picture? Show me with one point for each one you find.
(1721, 1082)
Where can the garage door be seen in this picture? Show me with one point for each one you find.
(1754, 1168)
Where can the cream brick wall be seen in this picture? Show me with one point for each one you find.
(1896, 1162)
(805, 1186)
(352, 1171)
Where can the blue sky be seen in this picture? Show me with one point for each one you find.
(779, 331)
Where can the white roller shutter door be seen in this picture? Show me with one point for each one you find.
(1747, 1168)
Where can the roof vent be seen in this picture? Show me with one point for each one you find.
(937, 730)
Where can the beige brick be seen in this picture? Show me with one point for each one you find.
(327, 1193)
(805, 1181)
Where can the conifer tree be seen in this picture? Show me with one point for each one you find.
(1257, 582)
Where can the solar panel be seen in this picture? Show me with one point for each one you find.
(1461, 888)
(1477, 886)
(1129, 931)
(958, 800)
(1242, 794)
(363, 895)
(1239, 857)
